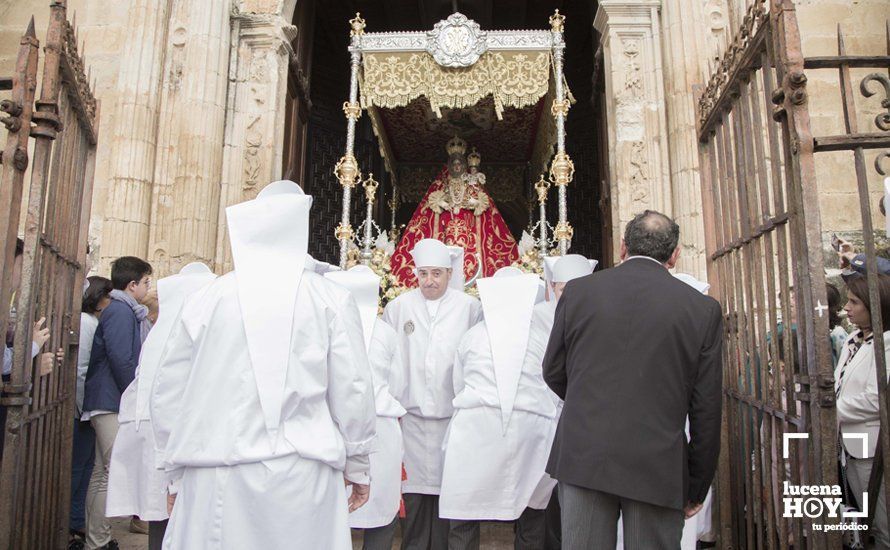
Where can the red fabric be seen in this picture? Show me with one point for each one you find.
(491, 238)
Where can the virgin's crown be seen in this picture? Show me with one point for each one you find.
(474, 158)
(456, 146)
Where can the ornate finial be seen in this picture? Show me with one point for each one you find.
(474, 159)
(357, 24)
(343, 232)
(456, 146)
(556, 21)
(560, 107)
(562, 169)
(347, 171)
(370, 186)
(352, 110)
(541, 187)
(563, 231)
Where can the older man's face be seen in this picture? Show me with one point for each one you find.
(433, 281)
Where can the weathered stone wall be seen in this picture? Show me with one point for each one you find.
(102, 30)
(192, 100)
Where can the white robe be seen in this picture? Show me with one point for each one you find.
(386, 460)
(538, 337)
(241, 486)
(490, 474)
(428, 347)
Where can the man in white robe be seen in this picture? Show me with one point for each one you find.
(262, 406)
(379, 516)
(558, 270)
(136, 487)
(430, 322)
(499, 438)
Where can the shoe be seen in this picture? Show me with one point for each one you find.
(112, 545)
(138, 526)
(76, 539)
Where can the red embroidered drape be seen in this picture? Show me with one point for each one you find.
(486, 235)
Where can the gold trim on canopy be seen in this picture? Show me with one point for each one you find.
(513, 79)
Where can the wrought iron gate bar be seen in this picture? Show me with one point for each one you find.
(851, 61)
(847, 142)
(34, 484)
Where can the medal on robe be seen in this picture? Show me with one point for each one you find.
(409, 327)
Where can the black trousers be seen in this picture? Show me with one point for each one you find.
(379, 538)
(156, 531)
(528, 532)
(423, 529)
(553, 523)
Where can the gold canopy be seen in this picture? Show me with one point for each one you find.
(513, 79)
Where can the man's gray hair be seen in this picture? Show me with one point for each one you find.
(652, 234)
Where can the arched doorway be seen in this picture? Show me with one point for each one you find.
(316, 129)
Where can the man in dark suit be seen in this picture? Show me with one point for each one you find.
(633, 352)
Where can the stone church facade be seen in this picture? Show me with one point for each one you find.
(200, 107)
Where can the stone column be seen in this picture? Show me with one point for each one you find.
(254, 134)
(635, 110)
(133, 140)
(185, 206)
(693, 32)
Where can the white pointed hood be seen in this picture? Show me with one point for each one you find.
(269, 237)
(458, 277)
(507, 303)
(562, 269)
(172, 294)
(435, 253)
(700, 286)
(364, 285)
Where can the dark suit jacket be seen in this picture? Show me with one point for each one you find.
(113, 358)
(632, 352)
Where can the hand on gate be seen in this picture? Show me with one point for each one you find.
(692, 508)
(40, 334)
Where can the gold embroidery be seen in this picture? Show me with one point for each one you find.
(513, 79)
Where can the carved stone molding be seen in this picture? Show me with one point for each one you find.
(635, 105)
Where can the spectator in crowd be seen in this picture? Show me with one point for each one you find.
(39, 335)
(96, 297)
(151, 302)
(857, 400)
(115, 353)
(854, 261)
(838, 334)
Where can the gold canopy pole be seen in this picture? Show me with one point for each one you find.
(561, 169)
(393, 205)
(346, 169)
(542, 186)
(370, 186)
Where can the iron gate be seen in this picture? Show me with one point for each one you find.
(766, 264)
(35, 470)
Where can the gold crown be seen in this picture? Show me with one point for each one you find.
(474, 158)
(456, 146)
